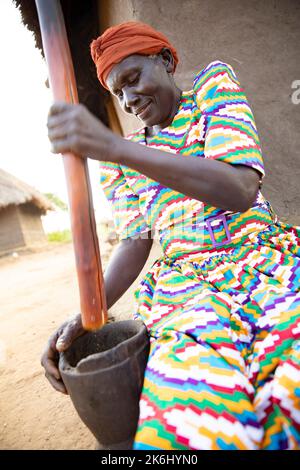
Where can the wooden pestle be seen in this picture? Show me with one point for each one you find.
(87, 254)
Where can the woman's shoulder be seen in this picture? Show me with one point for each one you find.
(214, 72)
(217, 81)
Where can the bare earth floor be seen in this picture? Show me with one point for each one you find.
(38, 291)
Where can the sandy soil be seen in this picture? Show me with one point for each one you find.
(38, 292)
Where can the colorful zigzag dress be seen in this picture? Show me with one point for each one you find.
(222, 305)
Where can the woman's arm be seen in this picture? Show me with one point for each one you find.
(230, 187)
(125, 265)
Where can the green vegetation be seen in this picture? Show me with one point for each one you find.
(62, 237)
(57, 201)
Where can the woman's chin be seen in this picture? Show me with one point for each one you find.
(149, 121)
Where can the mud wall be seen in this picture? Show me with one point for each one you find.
(261, 40)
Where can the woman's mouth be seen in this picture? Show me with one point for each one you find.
(143, 112)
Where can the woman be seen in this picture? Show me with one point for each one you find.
(222, 304)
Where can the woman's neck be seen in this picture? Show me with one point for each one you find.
(153, 130)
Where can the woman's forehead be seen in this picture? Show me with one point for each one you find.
(127, 66)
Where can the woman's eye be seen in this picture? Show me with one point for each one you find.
(134, 80)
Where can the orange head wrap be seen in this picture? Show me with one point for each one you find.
(123, 40)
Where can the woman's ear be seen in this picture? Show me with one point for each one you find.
(167, 59)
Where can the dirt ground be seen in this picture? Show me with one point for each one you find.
(38, 292)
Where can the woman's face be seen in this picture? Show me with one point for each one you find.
(144, 87)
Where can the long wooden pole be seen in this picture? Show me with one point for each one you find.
(85, 240)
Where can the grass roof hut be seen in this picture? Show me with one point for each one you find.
(21, 207)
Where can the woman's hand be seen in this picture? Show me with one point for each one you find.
(59, 341)
(72, 128)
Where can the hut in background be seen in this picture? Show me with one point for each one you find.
(21, 207)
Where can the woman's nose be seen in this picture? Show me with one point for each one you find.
(130, 99)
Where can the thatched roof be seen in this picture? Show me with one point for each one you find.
(82, 25)
(14, 192)
(30, 19)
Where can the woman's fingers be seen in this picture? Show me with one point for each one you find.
(64, 128)
(60, 146)
(51, 368)
(63, 115)
(60, 112)
(57, 384)
(72, 128)
(59, 341)
(57, 121)
(67, 142)
(72, 331)
(58, 132)
(50, 358)
(60, 107)
(50, 363)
